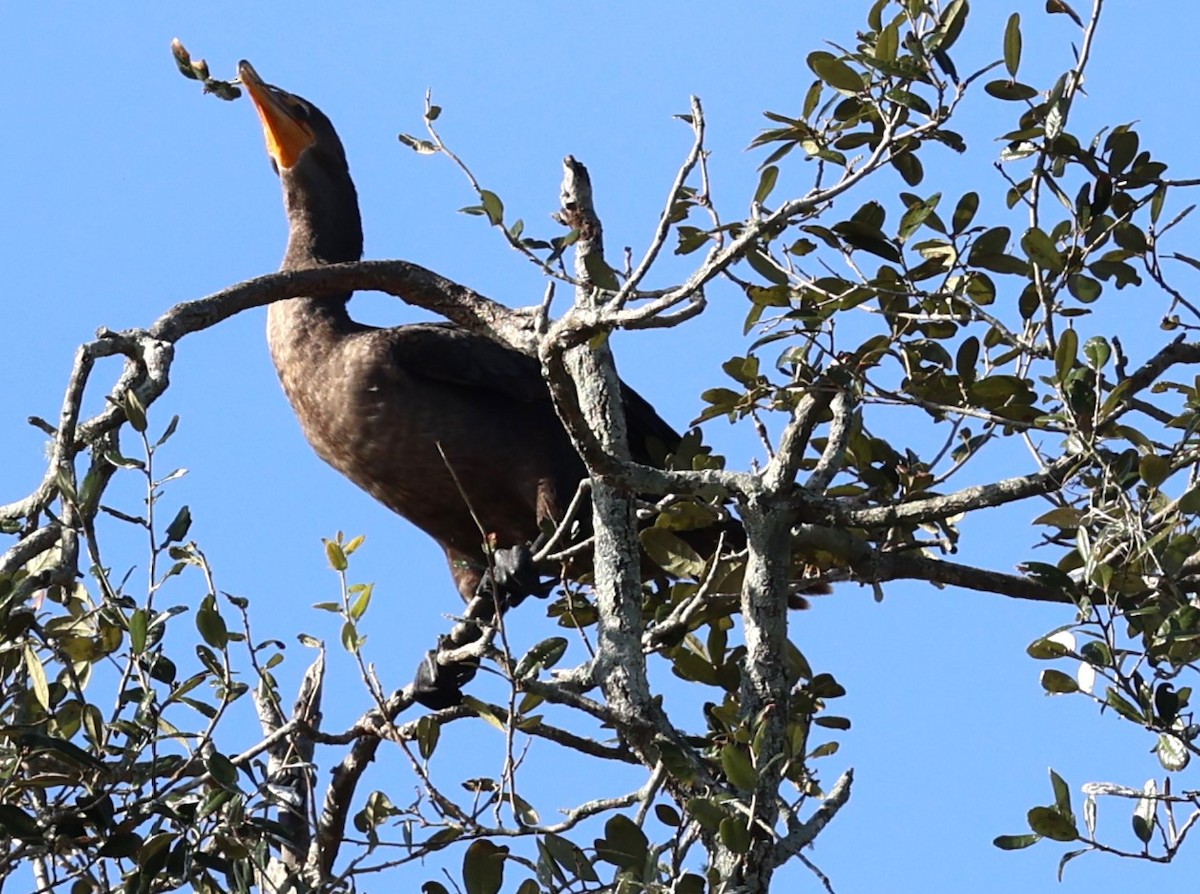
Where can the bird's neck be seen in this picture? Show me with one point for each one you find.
(324, 225)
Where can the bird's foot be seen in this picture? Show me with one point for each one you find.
(513, 577)
(437, 685)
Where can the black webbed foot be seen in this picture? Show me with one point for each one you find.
(511, 579)
(513, 576)
(438, 686)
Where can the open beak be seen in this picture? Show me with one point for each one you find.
(287, 136)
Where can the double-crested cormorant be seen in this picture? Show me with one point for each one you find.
(395, 410)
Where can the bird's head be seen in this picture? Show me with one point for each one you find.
(306, 152)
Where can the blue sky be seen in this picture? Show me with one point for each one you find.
(126, 191)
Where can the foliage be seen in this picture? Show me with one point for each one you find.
(978, 319)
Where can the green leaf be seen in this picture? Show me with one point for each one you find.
(764, 268)
(1041, 249)
(221, 769)
(179, 525)
(483, 867)
(1055, 682)
(170, 430)
(887, 44)
(1172, 753)
(964, 213)
(1154, 469)
(668, 815)
(1123, 706)
(766, 183)
(1049, 823)
(734, 834)
(335, 555)
(1122, 146)
(1012, 44)
(569, 855)
(1097, 352)
(543, 656)
(212, 627)
(738, 768)
(965, 360)
(1065, 517)
(19, 824)
(1065, 353)
(671, 553)
(1010, 91)
(137, 631)
(134, 412)
(1144, 814)
(421, 147)
(916, 214)
(37, 677)
(1062, 795)
(1015, 842)
(492, 207)
(834, 72)
(624, 845)
(360, 605)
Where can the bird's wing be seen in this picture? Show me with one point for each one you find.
(448, 353)
(444, 352)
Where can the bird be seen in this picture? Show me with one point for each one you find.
(446, 427)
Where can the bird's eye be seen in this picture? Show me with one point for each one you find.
(299, 108)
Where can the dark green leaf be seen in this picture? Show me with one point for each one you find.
(765, 268)
(1097, 352)
(1012, 44)
(1065, 354)
(1084, 288)
(1062, 795)
(964, 213)
(671, 553)
(734, 834)
(541, 657)
(212, 627)
(966, 358)
(179, 525)
(834, 72)
(1056, 682)
(766, 183)
(1154, 469)
(668, 815)
(19, 824)
(137, 631)
(1123, 706)
(951, 22)
(738, 768)
(1010, 91)
(483, 867)
(1041, 249)
(624, 845)
(1046, 649)
(1049, 823)
(221, 769)
(887, 44)
(1015, 842)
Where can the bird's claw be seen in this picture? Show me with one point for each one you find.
(437, 685)
(513, 576)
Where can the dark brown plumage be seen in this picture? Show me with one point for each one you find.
(376, 404)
